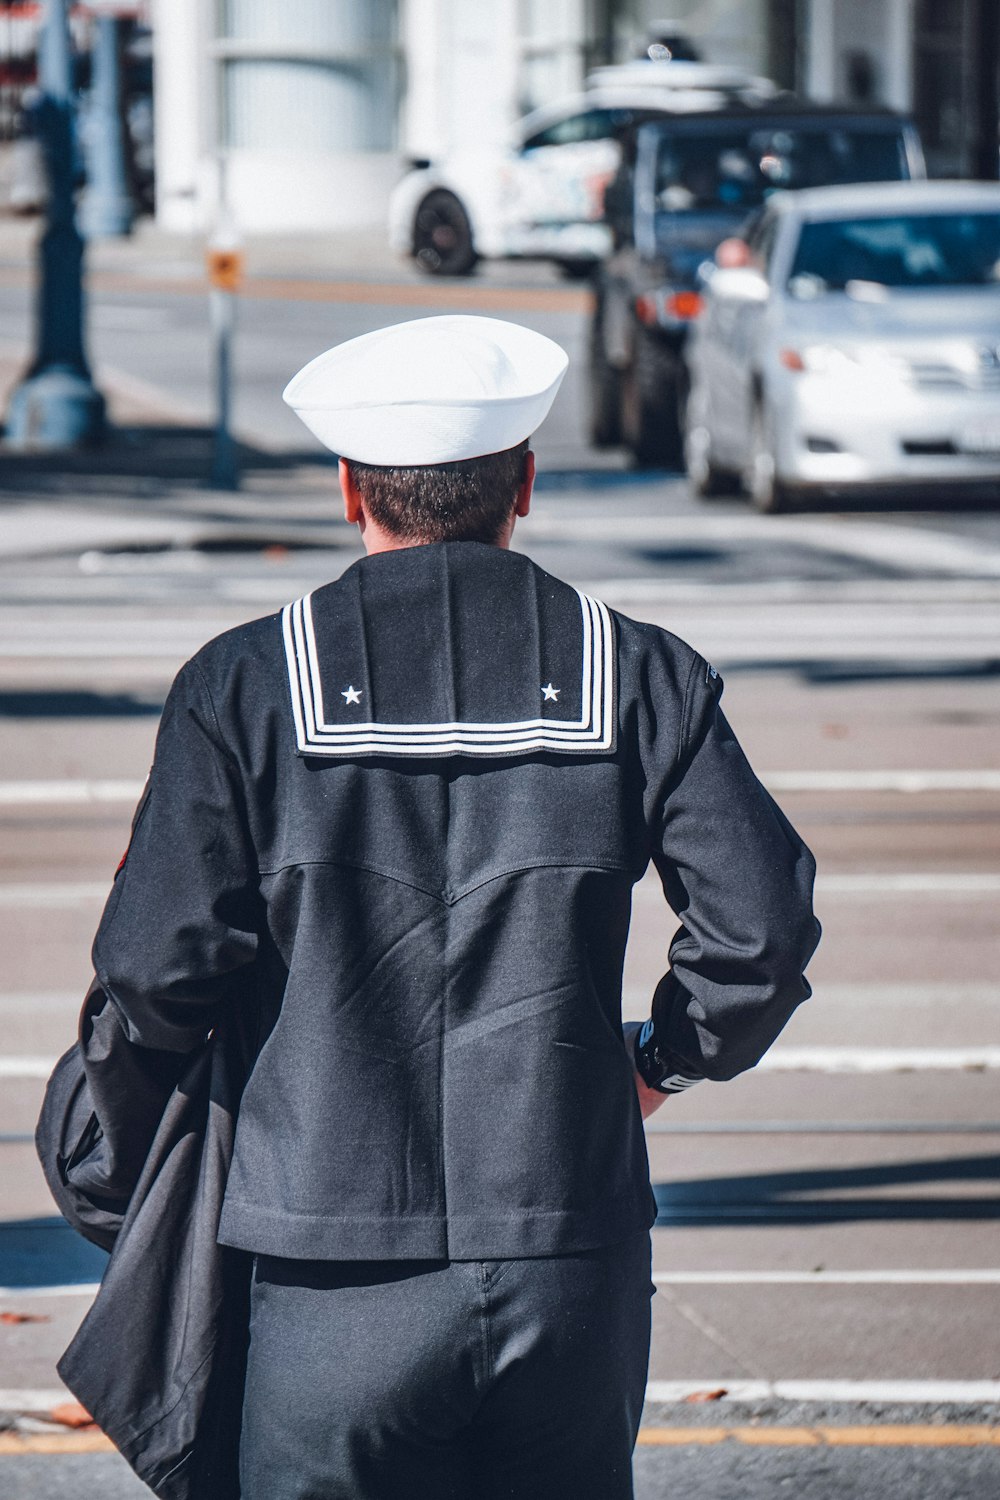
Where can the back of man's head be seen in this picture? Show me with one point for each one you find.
(471, 500)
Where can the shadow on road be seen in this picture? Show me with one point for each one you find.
(46, 1252)
(832, 672)
(77, 703)
(141, 461)
(834, 1195)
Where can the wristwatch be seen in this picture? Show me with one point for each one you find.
(657, 1070)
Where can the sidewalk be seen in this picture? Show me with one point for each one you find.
(362, 255)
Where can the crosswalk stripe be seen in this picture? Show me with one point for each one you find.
(877, 883)
(874, 1277)
(889, 1392)
(780, 1059)
(783, 1059)
(667, 1392)
(70, 792)
(53, 893)
(59, 893)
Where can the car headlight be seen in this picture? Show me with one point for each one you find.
(833, 361)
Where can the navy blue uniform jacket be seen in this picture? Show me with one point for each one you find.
(399, 824)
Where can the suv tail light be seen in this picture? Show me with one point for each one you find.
(668, 308)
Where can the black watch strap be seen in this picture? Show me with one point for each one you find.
(658, 1070)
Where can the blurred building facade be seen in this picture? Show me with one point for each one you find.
(936, 59)
(315, 106)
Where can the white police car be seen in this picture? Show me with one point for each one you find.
(543, 195)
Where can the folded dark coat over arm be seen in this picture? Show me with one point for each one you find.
(183, 919)
(737, 875)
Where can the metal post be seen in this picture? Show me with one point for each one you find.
(222, 308)
(224, 262)
(106, 208)
(57, 405)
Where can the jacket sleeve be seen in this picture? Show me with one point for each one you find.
(740, 879)
(181, 924)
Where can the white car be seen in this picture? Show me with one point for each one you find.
(543, 195)
(857, 348)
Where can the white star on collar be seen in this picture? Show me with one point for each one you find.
(351, 695)
(550, 693)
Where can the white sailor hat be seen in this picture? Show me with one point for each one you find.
(430, 391)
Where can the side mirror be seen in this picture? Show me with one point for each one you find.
(732, 254)
(742, 284)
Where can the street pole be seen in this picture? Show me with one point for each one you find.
(106, 208)
(57, 405)
(222, 310)
(224, 262)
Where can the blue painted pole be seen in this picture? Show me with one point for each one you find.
(57, 405)
(106, 208)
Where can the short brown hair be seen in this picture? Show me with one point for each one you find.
(467, 501)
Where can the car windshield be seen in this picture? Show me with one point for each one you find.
(914, 250)
(735, 165)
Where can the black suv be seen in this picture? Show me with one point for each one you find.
(684, 185)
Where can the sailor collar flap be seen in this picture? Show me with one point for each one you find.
(453, 652)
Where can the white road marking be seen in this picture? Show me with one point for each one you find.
(31, 1398)
(28, 793)
(666, 1392)
(882, 781)
(904, 548)
(892, 1392)
(80, 1289)
(887, 883)
(828, 1278)
(41, 1001)
(910, 883)
(54, 893)
(779, 1060)
(26, 1067)
(879, 1059)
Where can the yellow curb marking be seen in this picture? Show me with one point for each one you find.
(19, 1444)
(834, 1437)
(379, 293)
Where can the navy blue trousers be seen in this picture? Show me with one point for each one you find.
(460, 1380)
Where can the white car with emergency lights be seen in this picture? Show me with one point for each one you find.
(542, 195)
(857, 348)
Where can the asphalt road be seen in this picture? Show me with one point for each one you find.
(828, 1223)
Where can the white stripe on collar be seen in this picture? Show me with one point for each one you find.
(594, 730)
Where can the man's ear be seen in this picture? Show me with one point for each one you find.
(523, 502)
(354, 512)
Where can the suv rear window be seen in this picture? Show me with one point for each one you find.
(735, 166)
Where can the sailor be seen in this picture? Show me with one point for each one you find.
(400, 822)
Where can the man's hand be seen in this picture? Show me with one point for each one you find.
(649, 1099)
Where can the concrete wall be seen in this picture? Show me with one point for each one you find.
(301, 98)
(728, 31)
(851, 43)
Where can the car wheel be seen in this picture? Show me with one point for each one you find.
(442, 236)
(708, 479)
(767, 492)
(651, 394)
(604, 386)
(576, 270)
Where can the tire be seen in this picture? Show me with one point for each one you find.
(442, 236)
(604, 386)
(652, 390)
(708, 479)
(576, 270)
(768, 493)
